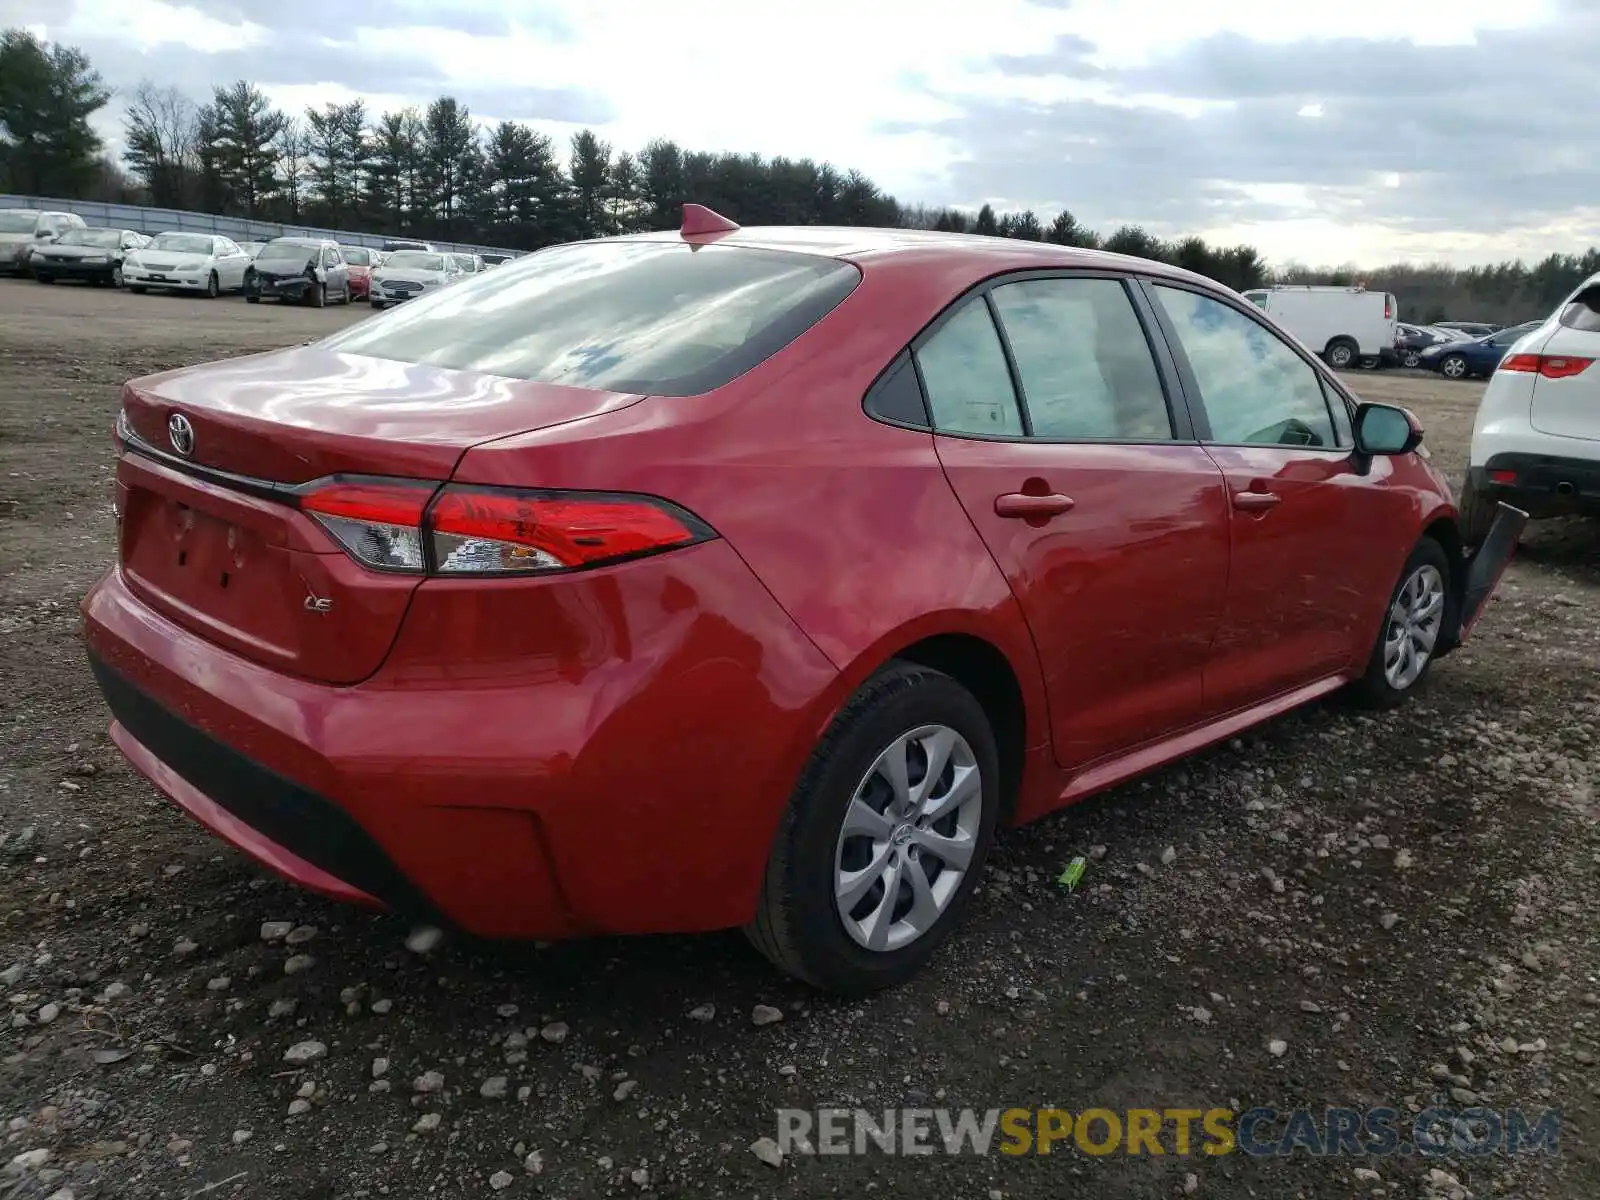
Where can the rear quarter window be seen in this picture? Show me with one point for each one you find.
(1583, 311)
(656, 318)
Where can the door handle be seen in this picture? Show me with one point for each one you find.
(1256, 501)
(1020, 504)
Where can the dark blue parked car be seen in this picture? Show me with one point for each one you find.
(1474, 356)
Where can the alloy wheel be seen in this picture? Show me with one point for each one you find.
(908, 837)
(1415, 618)
(1454, 368)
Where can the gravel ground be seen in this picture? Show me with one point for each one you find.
(1338, 909)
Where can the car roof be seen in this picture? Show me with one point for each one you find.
(986, 255)
(297, 240)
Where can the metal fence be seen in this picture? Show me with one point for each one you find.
(158, 220)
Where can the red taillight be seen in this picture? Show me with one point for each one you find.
(1507, 477)
(1388, 308)
(1551, 366)
(378, 521)
(390, 525)
(476, 530)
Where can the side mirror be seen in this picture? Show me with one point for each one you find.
(44, 235)
(1386, 429)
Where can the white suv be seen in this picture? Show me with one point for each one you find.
(1536, 442)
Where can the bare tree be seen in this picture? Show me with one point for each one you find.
(294, 163)
(162, 131)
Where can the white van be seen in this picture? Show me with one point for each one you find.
(1343, 324)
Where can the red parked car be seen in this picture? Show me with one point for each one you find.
(749, 577)
(360, 261)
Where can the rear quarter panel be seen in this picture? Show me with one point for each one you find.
(848, 522)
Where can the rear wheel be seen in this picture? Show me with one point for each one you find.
(885, 836)
(1420, 609)
(1453, 367)
(1342, 353)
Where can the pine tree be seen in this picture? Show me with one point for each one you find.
(47, 95)
(246, 133)
(589, 169)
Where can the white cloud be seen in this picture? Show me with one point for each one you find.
(826, 79)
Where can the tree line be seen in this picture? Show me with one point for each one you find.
(435, 171)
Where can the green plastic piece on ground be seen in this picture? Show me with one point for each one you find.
(1073, 873)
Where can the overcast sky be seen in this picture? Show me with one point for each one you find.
(1325, 131)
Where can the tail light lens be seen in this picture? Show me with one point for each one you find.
(400, 525)
(1551, 366)
(378, 521)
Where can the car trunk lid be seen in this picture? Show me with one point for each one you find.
(212, 534)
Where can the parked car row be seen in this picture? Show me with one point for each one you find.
(306, 270)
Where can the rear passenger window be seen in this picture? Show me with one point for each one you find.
(1583, 314)
(965, 374)
(1256, 390)
(1084, 363)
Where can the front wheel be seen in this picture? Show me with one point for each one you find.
(213, 287)
(1453, 367)
(43, 278)
(1411, 359)
(885, 835)
(377, 305)
(1419, 611)
(252, 298)
(137, 290)
(319, 296)
(116, 277)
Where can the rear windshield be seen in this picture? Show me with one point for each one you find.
(286, 251)
(1583, 313)
(659, 318)
(356, 256)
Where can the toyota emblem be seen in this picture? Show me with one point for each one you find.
(181, 434)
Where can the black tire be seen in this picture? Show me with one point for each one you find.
(1342, 354)
(377, 305)
(1374, 689)
(213, 286)
(43, 278)
(252, 298)
(797, 925)
(1477, 513)
(116, 276)
(1454, 366)
(137, 290)
(318, 296)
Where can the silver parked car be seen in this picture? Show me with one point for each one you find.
(24, 229)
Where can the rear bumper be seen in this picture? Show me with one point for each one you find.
(605, 754)
(1546, 485)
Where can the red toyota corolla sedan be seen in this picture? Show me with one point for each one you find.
(749, 577)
